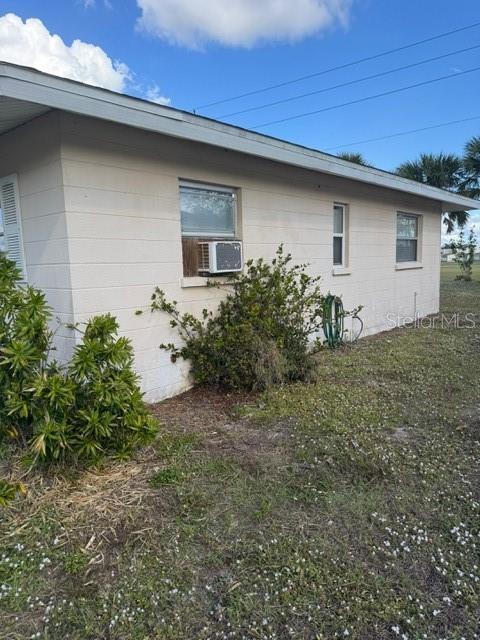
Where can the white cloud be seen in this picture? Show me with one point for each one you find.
(153, 94)
(88, 4)
(242, 23)
(30, 44)
(473, 223)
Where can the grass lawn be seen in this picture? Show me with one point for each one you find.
(451, 269)
(345, 508)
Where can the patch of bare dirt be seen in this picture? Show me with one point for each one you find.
(211, 414)
(199, 408)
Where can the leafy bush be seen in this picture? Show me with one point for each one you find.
(89, 408)
(264, 332)
(96, 406)
(24, 344)
(464, 254)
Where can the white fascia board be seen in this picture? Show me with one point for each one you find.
(34, 86)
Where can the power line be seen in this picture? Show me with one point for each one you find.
(403, 133)
(365, 99)
(349, 83)
(338, 67)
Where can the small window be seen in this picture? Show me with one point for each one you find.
(339, 224)
(407, 237)
(207, 212)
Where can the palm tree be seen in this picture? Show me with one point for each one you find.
(445, 171)
(353, 156)
(471, 163)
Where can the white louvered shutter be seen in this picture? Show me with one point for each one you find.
(10, 205)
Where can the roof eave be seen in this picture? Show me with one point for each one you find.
(34, 86)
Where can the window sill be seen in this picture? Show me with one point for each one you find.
(200, 281)
(341, 271)
(401, 266)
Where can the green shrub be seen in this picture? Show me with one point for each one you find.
(464, 254)
(24, 343)
(89, 408)
(111, 413)
(265, 331)
(96, 406)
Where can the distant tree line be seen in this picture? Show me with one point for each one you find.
(460, 174)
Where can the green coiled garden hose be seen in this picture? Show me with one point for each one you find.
(333, 320)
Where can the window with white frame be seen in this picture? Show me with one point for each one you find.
(339, 235)
(407, 237)
(207, 211)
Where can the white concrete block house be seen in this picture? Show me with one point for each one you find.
(104, 195)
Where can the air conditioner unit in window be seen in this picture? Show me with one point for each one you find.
(220, 256)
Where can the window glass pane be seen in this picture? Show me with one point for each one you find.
(406, 250)
(407, 226)
(338, 251)
(206, 212)
(337, 219)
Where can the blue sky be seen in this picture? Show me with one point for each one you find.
(191, 77)
(195, 70)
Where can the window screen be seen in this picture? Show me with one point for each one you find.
(337, 251)
(338, 234)
(337, 219)
(207, 211)
(407, 237)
